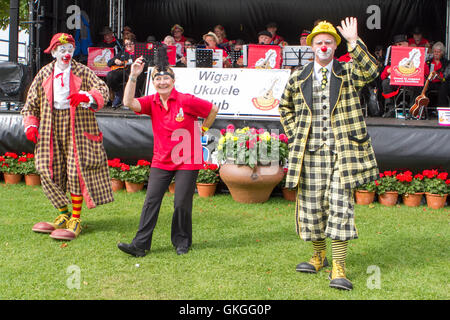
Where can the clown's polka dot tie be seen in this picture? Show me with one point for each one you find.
(324, 78)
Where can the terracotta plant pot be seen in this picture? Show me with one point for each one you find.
(12, 178)
(206, 190)
(435, 201)
(289, 194)
(249, 185)
(389, 198)
(412, 200)
(133, 187)
(33, 179)
(172, 187)
(364, 197)
(117, 185)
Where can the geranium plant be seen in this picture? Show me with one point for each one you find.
(9, 163)
(436, 182)
(115, 169)
(27, 164)
(136, 173)
(251, 147)
(388, 182)
(369, 186)
(208, 174)
(410, 184)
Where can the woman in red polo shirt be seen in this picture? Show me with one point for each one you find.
(177, 152)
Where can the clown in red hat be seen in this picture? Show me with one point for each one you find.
(59, 118)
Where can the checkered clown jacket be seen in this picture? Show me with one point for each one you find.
(356, 158)
(87, 140)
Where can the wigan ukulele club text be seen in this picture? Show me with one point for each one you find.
(215, 78)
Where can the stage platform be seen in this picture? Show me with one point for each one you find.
(398, 144)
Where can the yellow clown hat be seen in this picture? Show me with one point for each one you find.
(323, 27)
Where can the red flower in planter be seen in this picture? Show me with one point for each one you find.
(283, 138)
(143, 163)
(11, 154)
(402, 177)
(114, 163)
(230, 128)
(442, 175)
(430, 174)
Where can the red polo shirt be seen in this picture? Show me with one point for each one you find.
(176, 143)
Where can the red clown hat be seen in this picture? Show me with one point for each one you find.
(59, 39)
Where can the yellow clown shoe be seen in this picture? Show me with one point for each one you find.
(337, 277)
(72, 230)
(48, 227)
(317, 262)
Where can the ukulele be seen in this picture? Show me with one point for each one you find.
(126, 64)
(422, 101)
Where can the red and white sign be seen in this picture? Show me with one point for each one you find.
(172, 55)
(264, 56)
(98, 60)
(407, 66)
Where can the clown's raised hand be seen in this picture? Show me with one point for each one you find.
(349, 29)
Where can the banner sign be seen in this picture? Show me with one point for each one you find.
(98, 60)
(264, 56)
(407, 66)
(237, 92)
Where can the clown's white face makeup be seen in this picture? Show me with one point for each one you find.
(63, 55)
(324, 46)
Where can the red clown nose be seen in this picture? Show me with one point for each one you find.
(324, 49)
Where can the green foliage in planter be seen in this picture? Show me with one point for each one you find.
(370, 186)
(27, 164)
(209, 173)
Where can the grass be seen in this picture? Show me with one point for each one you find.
(239, 252)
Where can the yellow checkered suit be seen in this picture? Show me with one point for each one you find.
(356, 158)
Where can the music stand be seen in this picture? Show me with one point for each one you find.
(147, 50)
(204, 58)
(235, 55)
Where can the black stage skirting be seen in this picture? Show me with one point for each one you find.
(398, 144)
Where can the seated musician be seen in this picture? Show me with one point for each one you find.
(109, 40)
(264, 37)
(417, 39)
(117, 78)
(211, 42)
(439, 64)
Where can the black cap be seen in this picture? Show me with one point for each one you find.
(265, 33)
(106, 30)
(399, 38)
(417, 30)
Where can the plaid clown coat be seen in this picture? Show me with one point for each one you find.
(356, 158)
(90, 156)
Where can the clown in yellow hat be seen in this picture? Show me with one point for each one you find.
(320, 125)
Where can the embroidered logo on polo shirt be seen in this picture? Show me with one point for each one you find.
(180, 115)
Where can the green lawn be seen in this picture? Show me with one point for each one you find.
(239, 252)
